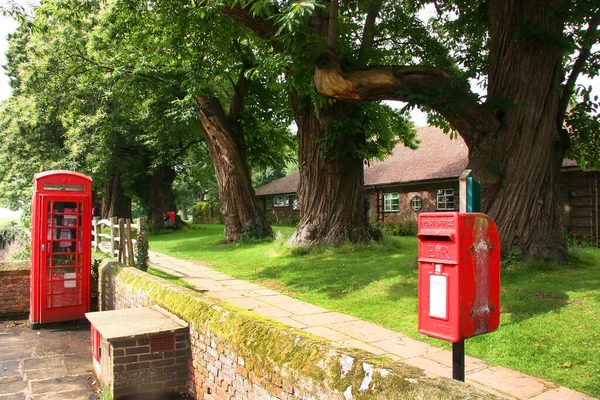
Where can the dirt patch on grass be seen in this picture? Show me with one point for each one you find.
(199, 263)
(278, 287)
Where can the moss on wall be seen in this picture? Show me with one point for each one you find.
(12, 266)
(319, 368)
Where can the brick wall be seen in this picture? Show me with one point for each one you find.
(237, 354)
(426, 191)
(138, 370)
(14, 287)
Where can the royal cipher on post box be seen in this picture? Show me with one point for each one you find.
(459, 275)
(60, 247)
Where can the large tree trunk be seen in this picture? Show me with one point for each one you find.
(333, 207)
(516, 141)
(239, 208)
(115, 203)
(160, 193)
(519, 163)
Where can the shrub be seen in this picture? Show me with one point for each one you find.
(141, 252)
(406, 227)
(574, 239)
(8, 234)
(23, 240)
(206, 212)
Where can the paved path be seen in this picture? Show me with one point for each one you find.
(360, 334)
(51, 363)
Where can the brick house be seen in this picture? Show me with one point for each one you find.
(409, 182)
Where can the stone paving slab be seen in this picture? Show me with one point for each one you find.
(515, 383)
(445, 357)
(562, 393)
(272, 312)
(327, 333)
(8, 368)
(326, 318)
(56, 362)
(352, 332)
(429, 366)
(405, 347)
(358, 344)
(365, 331)
(248, 303)
(290, 322)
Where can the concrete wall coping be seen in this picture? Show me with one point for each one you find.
(14, 267)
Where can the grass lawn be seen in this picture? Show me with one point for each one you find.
(550, 325)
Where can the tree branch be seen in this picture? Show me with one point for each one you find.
(586, 49)
(332, 29)
(241, 87)
(413, 84)
(366, 47)
(263, 28)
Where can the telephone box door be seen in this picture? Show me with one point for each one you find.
(64, 273)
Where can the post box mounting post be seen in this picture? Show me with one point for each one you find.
(469, 201)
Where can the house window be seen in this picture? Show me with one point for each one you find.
(281, 201)
(416, 203)
(445, 199)
(269, 203)
(391, 202)
(295, 203)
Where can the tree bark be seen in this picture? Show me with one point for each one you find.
(239, 208)
(519, 164)
(115, 203)
(333, 208)
(160, 193)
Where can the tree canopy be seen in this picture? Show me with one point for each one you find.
(503, 75)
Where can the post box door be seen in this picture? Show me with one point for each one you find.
(63, 266)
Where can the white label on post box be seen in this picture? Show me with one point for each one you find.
(438, 299)
(70, 284)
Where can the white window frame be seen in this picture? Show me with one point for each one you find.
(416, 200)
(443, 199)
(388, 202)
(295, 203)
(281, 201)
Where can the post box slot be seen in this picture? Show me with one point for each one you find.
(432, 238)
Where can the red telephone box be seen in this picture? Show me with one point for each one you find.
(459, 275)
(60, 247)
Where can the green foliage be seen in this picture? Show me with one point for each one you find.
(207, 211)
(406, 227)
(142, 256)
(23, 243)
(97, 258)
(510, 260)
(9, 234)
(583, 123)
(373, 129)
(575, 240)
(19, 237)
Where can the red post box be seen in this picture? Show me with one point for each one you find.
(459, 275)
(60, 247)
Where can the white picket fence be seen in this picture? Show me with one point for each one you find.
(120, 242)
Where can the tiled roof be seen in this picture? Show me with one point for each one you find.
(288, 184)
(438, 157)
